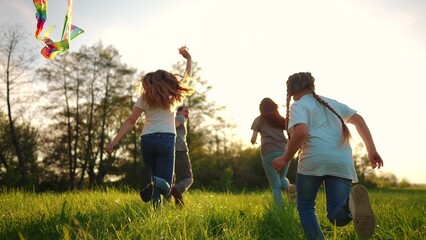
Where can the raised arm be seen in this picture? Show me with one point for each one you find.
(364, 132)
(184, 52)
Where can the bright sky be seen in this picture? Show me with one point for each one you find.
(369, 54)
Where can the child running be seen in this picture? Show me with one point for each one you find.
(160, 92)
(316, 126)
(270, 124)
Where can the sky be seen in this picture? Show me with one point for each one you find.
(368, 54)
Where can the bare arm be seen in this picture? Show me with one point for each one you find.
(254, 137)
(298, 137)
(177, 123)
(127, 125)
(364, 132)
(184, 52)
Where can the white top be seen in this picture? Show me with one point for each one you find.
(157, 120)
(322, 154)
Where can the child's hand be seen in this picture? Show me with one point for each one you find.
(110, 148)
(184, 52)
(279, 163)
(375, 160)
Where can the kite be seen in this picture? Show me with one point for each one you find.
(69, 31)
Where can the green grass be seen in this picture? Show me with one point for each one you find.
(113, 214)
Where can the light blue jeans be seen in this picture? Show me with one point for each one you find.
(278, 181)
(158, 152)
(337, 194)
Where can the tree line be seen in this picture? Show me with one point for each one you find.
(54, 138)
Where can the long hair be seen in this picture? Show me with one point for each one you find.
(305, 81)
(163, 90)
(269, 113)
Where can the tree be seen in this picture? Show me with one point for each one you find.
(53, 150)
(202, 111)
(15, 60)
(116, 75)
(365, 174)
(223, 138)
(91, 83)
(60, 82)
(27, 136)
(248, 169)
(126, 160)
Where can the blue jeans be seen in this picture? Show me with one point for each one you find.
(158, 152)
(278, 181)
(337, 194)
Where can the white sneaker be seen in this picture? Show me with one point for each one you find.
(291, 192)
(362, 213)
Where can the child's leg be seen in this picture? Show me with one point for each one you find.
(273, 177)
(337, 193)
(183, 171)
(162, 186)
(307, 190)
(164, 165)
(283, 179)
(158, 153)
(362, 213)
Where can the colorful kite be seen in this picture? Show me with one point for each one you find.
(69, 31)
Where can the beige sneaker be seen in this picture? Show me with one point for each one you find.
(291, 192)
(362, 213)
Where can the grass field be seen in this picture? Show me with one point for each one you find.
(114, 214)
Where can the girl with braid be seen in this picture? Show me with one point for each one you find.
(317, 126)
(270, 124)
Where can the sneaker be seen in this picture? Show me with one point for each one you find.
(177, 195)
(362, 213)
(291, 192)
(147, 185)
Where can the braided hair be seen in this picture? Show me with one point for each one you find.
(305, 81)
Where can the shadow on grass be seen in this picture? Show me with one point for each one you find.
(75, 225)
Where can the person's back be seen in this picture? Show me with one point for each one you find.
(156, 119)
(317, 126)
(271, 138)
(270, 124)
(322, 153)
(159, 92)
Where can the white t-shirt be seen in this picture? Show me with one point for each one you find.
(322, 154)
(157, 120)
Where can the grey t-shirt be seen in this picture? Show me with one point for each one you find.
(272, 139)
(181, 144)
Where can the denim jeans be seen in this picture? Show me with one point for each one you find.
(158, 152)
(278, 181)
(337, 194)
